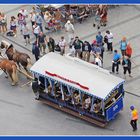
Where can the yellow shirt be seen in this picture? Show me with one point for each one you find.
(134, 114)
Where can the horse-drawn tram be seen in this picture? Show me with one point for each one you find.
(79, 88)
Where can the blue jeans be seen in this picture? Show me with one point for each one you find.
(40, 25)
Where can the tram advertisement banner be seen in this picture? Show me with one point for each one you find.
(113, 110)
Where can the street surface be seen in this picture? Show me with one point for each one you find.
(20, 114)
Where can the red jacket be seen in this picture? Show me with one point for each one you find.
(128, 50)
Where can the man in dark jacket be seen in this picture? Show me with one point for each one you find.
(42, 42)
(78, 46)
(126, 66)
(86, 48)
(35, 88)
(51, 44)
(36, 50)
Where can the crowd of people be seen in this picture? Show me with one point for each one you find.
(53, 19)
(50, 19)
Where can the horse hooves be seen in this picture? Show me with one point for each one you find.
(6, 76)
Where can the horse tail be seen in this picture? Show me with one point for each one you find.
(14, 74)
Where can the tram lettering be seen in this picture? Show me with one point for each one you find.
(115, 107)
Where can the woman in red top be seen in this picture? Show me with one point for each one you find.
(128, 50)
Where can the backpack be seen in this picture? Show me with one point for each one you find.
(105, 39)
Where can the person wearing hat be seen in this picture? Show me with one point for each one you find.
(69, 28)
(134, 118)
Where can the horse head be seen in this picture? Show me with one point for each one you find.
(10, 47)
(4, 44)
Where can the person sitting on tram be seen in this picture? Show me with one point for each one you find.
(97, 106)
(76, 97)
(67, 95)
(87, 102)
(49, 89)
(57, 90)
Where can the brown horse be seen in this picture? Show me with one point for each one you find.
(9, 67)
(22, 59)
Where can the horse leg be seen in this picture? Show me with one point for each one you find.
(13, 76)
(6, 76)
(10, 75)
(19, 65)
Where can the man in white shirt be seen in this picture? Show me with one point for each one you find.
(62, 45)
(109, 36)
(70, 30)
(36, 31)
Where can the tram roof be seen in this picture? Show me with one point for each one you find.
(77, 73)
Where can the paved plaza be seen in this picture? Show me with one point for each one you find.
(20, 114)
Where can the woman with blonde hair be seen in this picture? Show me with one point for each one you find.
(4, 22)
(123, 45)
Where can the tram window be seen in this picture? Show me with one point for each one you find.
(86, 102)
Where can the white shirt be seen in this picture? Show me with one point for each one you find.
(97, 60)
(72, 51)
(87, 102)
(69, 27)
(13, 23)
(24, 13)
(62, 43)
(110, 37)
(25, 30)
(36, 29)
